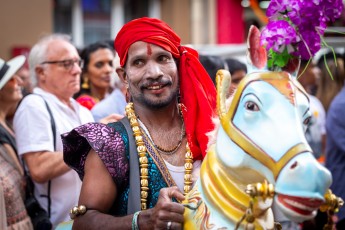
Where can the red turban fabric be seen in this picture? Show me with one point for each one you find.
(198, 93)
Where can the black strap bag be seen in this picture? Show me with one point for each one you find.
(40, 218)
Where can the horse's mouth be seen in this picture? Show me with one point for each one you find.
(300, 205)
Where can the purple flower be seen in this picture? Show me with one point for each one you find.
(310, 44)
(278, 8)
(308, 13)
(295, 26)
(278, 35)
(332, 9)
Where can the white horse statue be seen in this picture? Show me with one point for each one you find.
(260, 155)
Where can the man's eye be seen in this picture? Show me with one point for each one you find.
(164, 58)
(138, 62)
(68, 63)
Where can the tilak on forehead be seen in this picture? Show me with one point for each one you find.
(149, 50)
(198, 93)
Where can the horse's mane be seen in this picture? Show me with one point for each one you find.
(212, 135)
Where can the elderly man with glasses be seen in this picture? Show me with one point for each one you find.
(43, 116)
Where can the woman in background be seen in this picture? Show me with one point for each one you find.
(13, 214)
(96, 74)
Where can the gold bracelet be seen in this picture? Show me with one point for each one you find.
(77, 211)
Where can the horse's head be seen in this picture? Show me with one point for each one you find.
(262, 136)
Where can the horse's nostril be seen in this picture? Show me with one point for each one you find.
(293, 165)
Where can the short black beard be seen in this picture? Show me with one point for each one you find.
(157, 103)
(154, 104)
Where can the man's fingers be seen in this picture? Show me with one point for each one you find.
(167, 195)
(179, 197)
(170, 193)
(175, 225)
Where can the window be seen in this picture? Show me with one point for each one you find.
(96, 16)
(63, 16)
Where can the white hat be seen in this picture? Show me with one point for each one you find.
(8, 69)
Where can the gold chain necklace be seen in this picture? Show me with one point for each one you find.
(162, 150)
(173, 149)
(143, 161)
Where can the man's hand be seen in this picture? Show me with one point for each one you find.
(168, 214)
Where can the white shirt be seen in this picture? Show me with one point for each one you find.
(177, 173)
(114, 103)
(33, 132)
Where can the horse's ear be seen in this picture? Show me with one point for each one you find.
(256, 53)
(223, 79)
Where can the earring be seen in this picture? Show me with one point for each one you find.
(128, 95)
(85, 84)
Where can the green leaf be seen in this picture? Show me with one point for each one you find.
(270, 63)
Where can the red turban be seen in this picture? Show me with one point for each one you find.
(198, 93)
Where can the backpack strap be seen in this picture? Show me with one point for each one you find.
(134, 177)
(53, 126)
(52, 121)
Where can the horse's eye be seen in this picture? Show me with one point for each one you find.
(252, 106)
(307, 121)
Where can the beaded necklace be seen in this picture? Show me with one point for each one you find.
(143, 161)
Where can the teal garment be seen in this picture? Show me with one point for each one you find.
(155, 185)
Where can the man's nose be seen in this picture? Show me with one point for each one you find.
(153, 70)
(76, 69)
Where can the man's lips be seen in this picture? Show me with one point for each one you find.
(155, 85)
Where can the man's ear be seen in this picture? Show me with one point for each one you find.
(122, 74)
(40, 73)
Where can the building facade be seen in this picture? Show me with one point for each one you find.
(213, 26)
(198, 22)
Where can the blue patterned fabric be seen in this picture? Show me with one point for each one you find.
(111, 143)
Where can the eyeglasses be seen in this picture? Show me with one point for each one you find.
(67, 64)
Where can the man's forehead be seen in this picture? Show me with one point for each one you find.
(141, 48)
(58, 48)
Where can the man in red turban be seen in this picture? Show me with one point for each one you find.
(198, 93)
(136, 167)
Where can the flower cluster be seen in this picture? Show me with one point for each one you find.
(295, 28)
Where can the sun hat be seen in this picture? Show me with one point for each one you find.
(8, 69)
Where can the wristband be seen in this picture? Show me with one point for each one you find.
(135, 221)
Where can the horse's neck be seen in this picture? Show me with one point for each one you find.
(224, 191)
(220, 186)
